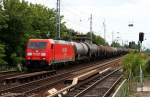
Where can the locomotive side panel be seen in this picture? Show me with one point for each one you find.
(63, 52)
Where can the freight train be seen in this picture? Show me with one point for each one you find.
(48, 52)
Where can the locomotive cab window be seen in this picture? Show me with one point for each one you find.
(37, 45)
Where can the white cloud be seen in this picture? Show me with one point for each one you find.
(118, 14)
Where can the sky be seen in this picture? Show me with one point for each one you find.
(116, 13)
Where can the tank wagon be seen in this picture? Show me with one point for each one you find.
(46, 52)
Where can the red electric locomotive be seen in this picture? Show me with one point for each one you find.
(44, 52)
(41, 53)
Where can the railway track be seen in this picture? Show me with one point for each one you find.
(7, 74)
(38, 85)
(20, 78)
(27, 77)
(11, 77)
(8, 79)
(97, 86)
(99, 68)
(2, 73)
(3, 76)
(27, 88)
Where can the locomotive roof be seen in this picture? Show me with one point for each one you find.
(44, 40)
(61, 41)
(51, 40)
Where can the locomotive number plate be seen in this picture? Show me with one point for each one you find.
(36, 54)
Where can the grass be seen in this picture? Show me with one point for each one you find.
(132, 63)
(131, 67)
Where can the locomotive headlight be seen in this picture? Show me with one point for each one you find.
(43, 54)
(29, 54)
(44, 58)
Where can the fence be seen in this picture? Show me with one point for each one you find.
(127, 88)
(123, 90)
(7, 68)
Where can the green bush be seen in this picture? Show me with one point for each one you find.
(17, 61)
(132, 63)
(148, 68)
(2, 54)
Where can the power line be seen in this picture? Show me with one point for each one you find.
(75, 10)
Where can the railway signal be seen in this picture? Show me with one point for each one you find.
(141, 36)
(130, 25)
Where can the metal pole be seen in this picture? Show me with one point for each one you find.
(140, 46)
(141, 78)
(58, 20)
(122, 43)
(104, 25)
(112, 36)
(91, 27)
(141, 71)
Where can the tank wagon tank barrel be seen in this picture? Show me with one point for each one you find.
(81, 50)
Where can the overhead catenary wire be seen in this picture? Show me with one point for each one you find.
(78, 20)
(80, 15)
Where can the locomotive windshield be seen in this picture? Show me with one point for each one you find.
(37, 45)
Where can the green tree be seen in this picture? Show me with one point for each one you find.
(133, 45)
(97, 39)
(115, 44)
(42, 21)
(132, 64)
(2, 54)
(17, 22)
(3, 18)
(20, 21)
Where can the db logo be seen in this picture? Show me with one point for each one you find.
(36, 51)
